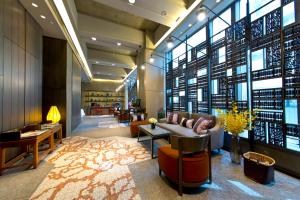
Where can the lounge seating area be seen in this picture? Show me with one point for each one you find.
(154, 100)
(216, 130)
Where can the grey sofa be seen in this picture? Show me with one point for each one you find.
(216, 131)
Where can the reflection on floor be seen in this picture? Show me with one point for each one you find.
(229, 182)
(103, 121)
(105, 163)
(101, 126)
(89, 168)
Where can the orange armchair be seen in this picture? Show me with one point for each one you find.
(134, 127)
(187, 161)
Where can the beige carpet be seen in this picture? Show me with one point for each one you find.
(229, 183)
(21, 185)
(89, 168)
(89, 127)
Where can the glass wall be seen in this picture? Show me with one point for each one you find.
(258, 71)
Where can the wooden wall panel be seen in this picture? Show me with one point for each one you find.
(1, 98)
(76, 93)
(28, 90)
(7, 85)
(1, 53)
(14, 86)
(7, 18)
(54, 86)
(21, 77)
(1, 37)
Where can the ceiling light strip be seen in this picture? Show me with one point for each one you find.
(67, 22)
(107, 80)
(178, 22)
(124, 80)
(119, 88)
(135, 67)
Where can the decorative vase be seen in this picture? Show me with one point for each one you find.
(153, 126)
(235, 150)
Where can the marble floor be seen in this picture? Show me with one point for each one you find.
(105, 163)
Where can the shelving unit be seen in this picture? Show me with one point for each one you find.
(102, 98)
(101, 102)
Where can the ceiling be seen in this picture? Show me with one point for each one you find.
(117, 21)
(49, 25)
(93, 8)
(114, 22)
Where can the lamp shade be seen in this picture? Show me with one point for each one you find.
(53, 114)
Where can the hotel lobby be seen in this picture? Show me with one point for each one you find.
(160, 99)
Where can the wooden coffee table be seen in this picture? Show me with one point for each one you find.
(157, 133)
(30, 139)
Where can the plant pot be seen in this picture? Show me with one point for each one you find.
(235, 150)
(153, 126)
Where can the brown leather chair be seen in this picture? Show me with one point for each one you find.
(187, 161)
(124, 116)
(134, 127)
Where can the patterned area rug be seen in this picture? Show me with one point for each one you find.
(87, 168)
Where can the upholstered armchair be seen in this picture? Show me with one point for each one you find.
(124, 116)
(187, 161)
(134, 125)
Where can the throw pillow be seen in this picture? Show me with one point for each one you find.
(173, 118)
(197, 124)
(183, 121)
(138, 117)
(189, 123)
(204, 125)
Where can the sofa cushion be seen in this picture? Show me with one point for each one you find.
(196, 116)
(182, 115)
(183, 122)
(173, 118)
(203, 126)
(177, 129)
(189, 123)
(138, 117)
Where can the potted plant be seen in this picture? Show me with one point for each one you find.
(153, 122)
(235, 122)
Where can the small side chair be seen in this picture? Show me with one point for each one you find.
(187, 161)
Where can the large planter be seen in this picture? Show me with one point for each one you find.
(235, 150)
(259, 167)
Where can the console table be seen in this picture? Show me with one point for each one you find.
(157, 133)
(33, 138)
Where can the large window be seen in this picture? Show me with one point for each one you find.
(258, 59)
(257, 4)
(289, 14)
(197, 38)
(218, 25)
(179, 51)
(247, 69)
(240, 9)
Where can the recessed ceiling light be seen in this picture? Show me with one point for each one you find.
(170, 42)
(190, 25)
(43, 17)
(143, 67)
(93, 38)
(131, 1)
(113, 64)
(34, 5)
(151, 60)
(97, 62)
(201, 14)
(119, 43)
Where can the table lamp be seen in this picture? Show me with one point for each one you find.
(53, 115)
